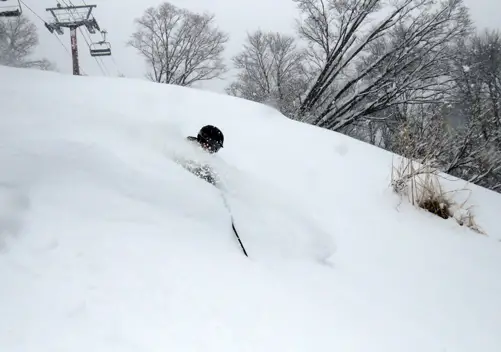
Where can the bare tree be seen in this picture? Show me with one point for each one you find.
(372, 64)
(180, 47)
(271, 70)
(475, 105)
(18, 40)
(43, 64)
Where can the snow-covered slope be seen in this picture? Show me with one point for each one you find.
(109, 245)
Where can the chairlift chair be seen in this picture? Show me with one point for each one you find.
(11, 9)
(101, 48)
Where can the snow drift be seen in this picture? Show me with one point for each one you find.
(109, 244)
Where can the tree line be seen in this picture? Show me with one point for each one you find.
(411, 76)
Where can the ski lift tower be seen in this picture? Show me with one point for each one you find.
(72, 17)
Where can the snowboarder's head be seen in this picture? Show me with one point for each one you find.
(210, 138)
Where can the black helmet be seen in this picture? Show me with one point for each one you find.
(211, 137)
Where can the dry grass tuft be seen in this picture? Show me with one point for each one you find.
(420, 182)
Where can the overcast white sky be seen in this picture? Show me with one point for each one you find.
(236, 17)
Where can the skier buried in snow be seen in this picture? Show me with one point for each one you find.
(210, 139)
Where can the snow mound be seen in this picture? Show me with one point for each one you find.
(108, 243)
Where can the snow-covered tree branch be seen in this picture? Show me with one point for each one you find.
(373, 64)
